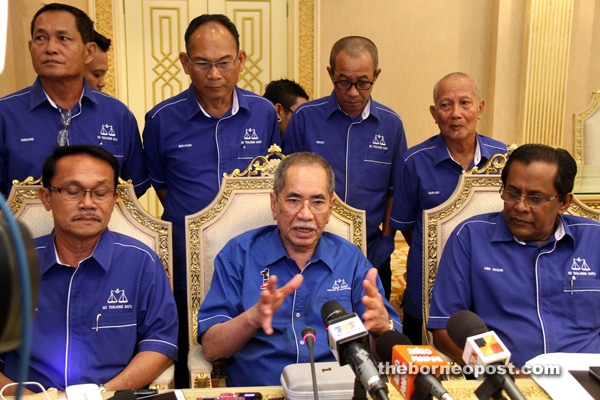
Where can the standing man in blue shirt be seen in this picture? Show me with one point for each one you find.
(531, 272)
(106, 313)
(247, 318)
(360, 138)
(210, 129)
(60, 109)
(429, 172)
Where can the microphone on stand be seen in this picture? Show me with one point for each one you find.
(309, 337)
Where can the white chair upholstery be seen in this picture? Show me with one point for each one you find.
(128, 218)
(587, 146)
(242, 204)
(477, 192)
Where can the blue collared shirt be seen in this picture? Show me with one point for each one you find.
(363, 152)
(91, 320)
(427, 177)
(242, 269)
(187, 152)
(537, 298)
(29, 125)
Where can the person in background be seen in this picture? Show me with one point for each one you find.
(95, 71)
(429, 174)
(286, 95)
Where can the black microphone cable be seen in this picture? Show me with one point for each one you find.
(309, 337)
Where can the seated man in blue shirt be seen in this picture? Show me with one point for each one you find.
(60, 109)
(106, 313)
(246, 318)
(530, 272)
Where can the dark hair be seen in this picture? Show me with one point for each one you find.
(284, 92)
(354, 46)
(529, 153)
(205, 18)
(49, 169)
(102, 41)
(302, 158)
(84, 24)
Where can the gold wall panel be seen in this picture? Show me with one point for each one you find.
(306, 47)
(103, 22)
(546, 70)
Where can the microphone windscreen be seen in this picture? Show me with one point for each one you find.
(308, 331)
(464, 324)
(387, 341)
(332, 309)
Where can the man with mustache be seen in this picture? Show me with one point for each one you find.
(429, 174)
(106, 313)
(60, 109)
(530, 272)
(246, 318)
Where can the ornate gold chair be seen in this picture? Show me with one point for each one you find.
(243, 203)
(587, 142)
(128, 218)
(477, 192)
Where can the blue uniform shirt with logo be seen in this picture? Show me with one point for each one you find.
(91, 320)
(363, 152)
(187, 152)
(537, 298)
(427, 177)
(242, 269)
(29, 125)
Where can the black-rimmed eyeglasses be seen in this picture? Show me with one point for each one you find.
(205, 66)
(360, 85)
(62, 139)
(75, 193)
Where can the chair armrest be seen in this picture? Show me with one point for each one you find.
(200, 368)
(166, 380)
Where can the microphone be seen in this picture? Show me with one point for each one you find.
(348, 340)
(408, 365)
(309, 337)
(483, 349)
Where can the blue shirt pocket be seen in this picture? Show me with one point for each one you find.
(582, 302)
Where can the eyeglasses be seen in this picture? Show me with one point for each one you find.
(294, 205)
(205, 66)
(360, 85)
(532, 201)
(63, 135)
(75, 193)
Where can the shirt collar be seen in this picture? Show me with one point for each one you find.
(102, 253)
(334, 106)
(323, 252)
(503, 234)
(38, 95)
(442, 153)
(194, 106)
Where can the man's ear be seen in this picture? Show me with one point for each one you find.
(185, 62)
(45, 197)
(564, 205)
(376, 74)
(330, 71)
(274, 205)
(90, 50)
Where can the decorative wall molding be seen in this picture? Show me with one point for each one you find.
(306, 46)
(103, 22)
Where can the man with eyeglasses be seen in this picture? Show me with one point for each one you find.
(210, 129)
(106, 313)
(270, 283)
(530, 272)
(360, 138)
(60, 109)
(429, 172)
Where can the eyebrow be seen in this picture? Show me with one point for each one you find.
(316, 196)
(202, 59)
(343, 76)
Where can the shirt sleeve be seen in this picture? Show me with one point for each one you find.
(401, 148)
(452, 288)
(157, 320)
(134, 165)
(153, 152)
(405, 206)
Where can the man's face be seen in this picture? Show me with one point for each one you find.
(457, 108)
(285, 115)
(96, 70)
(524, 222)
(300, 231)
(352, 101)
(212, 42)
(85, 219)
(56, 48)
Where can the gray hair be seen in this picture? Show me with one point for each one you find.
(302, 158)
(458, 75)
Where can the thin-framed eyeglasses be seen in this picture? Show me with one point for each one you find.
(295, 205)
(360, 85)
(205, 66)
(75, 193)
(533, 201)
(62, 139)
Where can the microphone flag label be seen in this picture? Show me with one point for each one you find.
(409, 361)
(484, 349)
